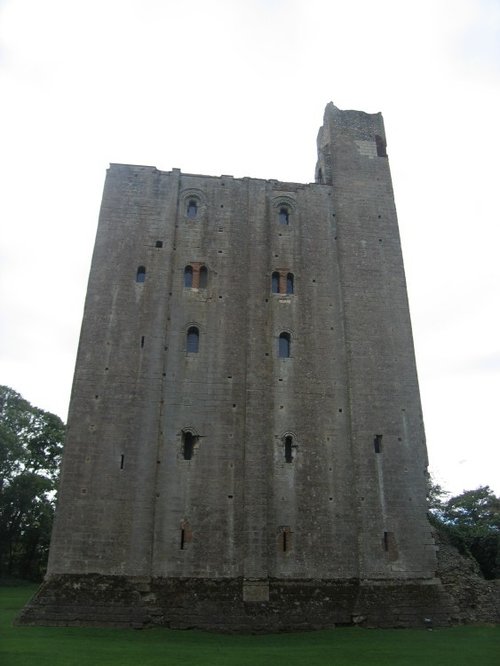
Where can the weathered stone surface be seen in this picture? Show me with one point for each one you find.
(87, 601)
(476, 599)
(245, 420)
(218, 605)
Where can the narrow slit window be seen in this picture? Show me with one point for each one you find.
(192, 209)
(203, 277)
(284, 216)
(188, 277)
(284, 345)
(188, 441)
(285, 541)
(275, 282)
(183, 538)
(288, 449)
(193, 340)
(141, 274)
(289, 283)
(122, 461)
(390, 546)
(142, 341)
(377, 443)
(381, 146)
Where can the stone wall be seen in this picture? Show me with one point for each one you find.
(475, 599)
(459, 595)
(218, 605)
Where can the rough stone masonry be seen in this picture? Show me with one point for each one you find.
(245, 445)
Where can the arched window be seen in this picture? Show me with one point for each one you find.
(283, 215)
(284, 345)
(188, 277)
(192, 340)
(203, 277)
(288, 449)
(275, 282)
(188, 442)
(141, 274)
(192, 209)
(289, 283)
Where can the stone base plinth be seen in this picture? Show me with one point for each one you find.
(236, 605)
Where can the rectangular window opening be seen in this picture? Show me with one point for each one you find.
(390, 546)
(377, 443)
(142, 341)
(122, 461)
(284, 542)
(183, 538)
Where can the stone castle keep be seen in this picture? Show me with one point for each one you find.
(245, 447)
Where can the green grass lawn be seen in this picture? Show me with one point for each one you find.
(51, 646)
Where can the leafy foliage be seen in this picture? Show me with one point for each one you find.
(31, 442)
(474, 512)
(472, 522)
(436, 496)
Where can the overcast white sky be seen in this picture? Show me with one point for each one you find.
(239, 87)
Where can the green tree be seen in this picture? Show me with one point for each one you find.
(31, 442)
(436, 499)
(471, 521)
(474, 515)
(474, 512)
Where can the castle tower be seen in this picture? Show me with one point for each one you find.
(245, 444)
